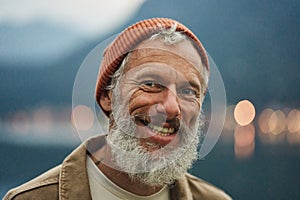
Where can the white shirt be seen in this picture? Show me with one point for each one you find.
(103, 188)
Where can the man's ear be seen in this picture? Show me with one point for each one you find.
(105, 101)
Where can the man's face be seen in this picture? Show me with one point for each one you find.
(161, 87)
(155, 112)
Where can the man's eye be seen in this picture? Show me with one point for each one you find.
(188, 92)
(151, 86)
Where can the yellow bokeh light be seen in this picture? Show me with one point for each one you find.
(293, 138)
(244, 135)
(244, 141)
(263, 120)
(83, 117)
(277, 122)
(293, 121)
(244, 112)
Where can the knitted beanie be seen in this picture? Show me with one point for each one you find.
(131, 37)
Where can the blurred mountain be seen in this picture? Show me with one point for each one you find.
(255, 45)
(36, 44)
(28, 87)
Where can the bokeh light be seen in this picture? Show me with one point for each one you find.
(244, 141)
(42, 120)
(21, 122)
(263, 120)
(293, 121)
(244, 112)
(277, 122)
(293, 138)
(83, 117)
(272, 125)
(244, 135)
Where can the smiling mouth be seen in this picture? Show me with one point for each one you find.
(166, 128)
(161, 130)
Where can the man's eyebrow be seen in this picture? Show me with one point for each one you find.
(191, 83)
(195, 84)
(160, 78)
(151, 75)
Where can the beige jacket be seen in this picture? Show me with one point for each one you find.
(69, 181)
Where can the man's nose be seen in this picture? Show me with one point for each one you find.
(169, 104)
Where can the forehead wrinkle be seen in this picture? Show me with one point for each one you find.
(143, 53)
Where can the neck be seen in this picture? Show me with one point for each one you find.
(120, 178)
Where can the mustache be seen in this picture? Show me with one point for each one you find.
(160, 120)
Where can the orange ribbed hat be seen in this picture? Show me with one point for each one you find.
(132, 36)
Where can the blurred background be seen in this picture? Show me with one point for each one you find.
(255, 45)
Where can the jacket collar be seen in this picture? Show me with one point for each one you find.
(73, 180)
(181, 190)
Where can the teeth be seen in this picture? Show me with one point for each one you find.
(165, 130)
(158, 128)
(161, 130)
(163, 134)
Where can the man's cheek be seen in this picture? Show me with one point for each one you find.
(190, 115)
(123, 96)
(140, 100)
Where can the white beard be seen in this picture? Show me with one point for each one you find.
(156, 168)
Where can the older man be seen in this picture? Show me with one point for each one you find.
(151, 84)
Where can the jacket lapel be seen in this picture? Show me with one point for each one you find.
(73, 182)
(180, 190)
